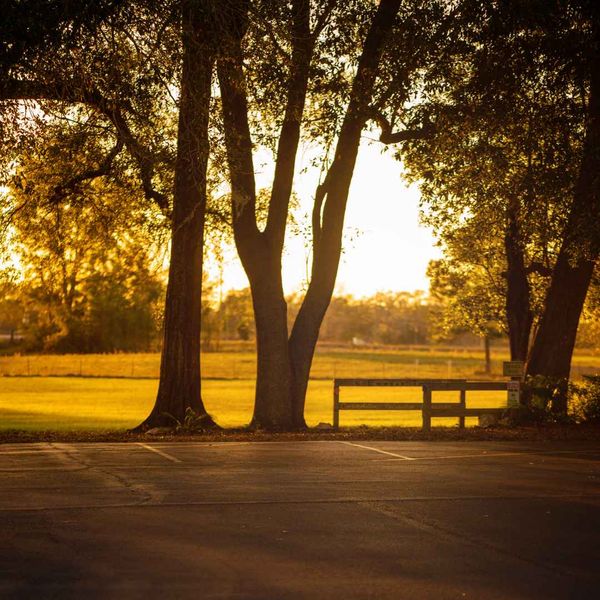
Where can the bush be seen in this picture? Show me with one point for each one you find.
(542, 400)
(584, 399)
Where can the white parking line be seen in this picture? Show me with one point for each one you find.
(378, 450)
(160, 452)
(42, 450)
(500, 454)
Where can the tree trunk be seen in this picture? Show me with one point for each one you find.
(488, 354)
(179, 386)
(552, 349)
(518, 302)
(279, 400)
(260, 252)
(303, 341)
(332, 196)
(272, 405)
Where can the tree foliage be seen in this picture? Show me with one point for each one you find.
(84, 249)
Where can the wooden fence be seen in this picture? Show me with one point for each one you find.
(427, 406)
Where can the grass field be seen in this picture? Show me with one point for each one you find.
(328, 364)
(72, 403)
(116, 391)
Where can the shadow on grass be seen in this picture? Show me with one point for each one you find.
(54, 421)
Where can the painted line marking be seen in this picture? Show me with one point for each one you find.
(203, 444)
(500, 454)
(160, 452)
(378, 450)
(40, 450)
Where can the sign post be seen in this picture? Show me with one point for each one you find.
(514, 389)
(515, 370)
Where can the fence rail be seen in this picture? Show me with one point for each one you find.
(427, 406)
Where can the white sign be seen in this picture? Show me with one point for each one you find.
(513, 388)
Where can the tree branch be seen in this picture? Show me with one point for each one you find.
(73, 92)
(142, 157)
(289, 137)
(320, 194)
(387, 136)
(322, 19)
(103, 169)
(238, 140)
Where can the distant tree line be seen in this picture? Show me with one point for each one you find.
(117, 308)
(382, 319)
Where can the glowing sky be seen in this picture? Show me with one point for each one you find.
(385, 248)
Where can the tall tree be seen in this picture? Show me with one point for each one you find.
(465, 298)
(284, 362)
(125, 70)
(513, 102)
(554, 342)
(179, 385)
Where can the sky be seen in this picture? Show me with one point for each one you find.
(385, 247)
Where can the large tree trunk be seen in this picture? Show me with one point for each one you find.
(260, 252)
(552, 349)
(332, 196)
(279, 401)
(179, 386)
(518, 302)
(272, 407)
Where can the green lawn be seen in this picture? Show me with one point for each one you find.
(72, 403)
(116, 391)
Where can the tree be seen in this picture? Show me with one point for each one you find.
(179, 385)
(552, 348)
(86, 282)
(319, 47)
(512, 98)
(588, 333)
(503, 159)
(464, 298)
(126, 71)
(389, 318)
(236, 315)
(12, 311)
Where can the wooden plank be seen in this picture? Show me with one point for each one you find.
(380, 405)
(463, 406)
(445, 405)
(426, 408)
(447, 386)
(379, 382)
(336, 405)
(484, 386)
(466, 412)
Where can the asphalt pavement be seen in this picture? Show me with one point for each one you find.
(300, 520)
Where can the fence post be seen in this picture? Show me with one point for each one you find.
(336, 404)
(426, 408)
(463, 406)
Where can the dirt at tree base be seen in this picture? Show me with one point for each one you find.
(540, 433)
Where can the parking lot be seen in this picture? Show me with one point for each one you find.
(300, 520)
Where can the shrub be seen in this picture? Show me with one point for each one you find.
(584, 399)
